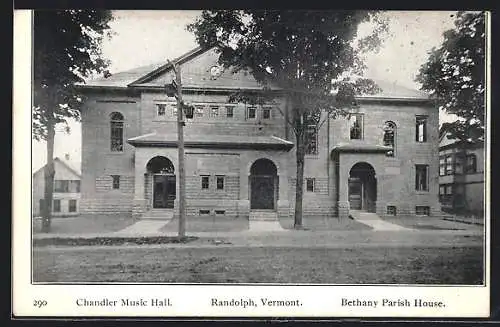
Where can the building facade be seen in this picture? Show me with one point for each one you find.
(461, 176)
(240, 158)
(66, 196)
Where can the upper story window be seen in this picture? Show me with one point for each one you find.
(61, 186)
(116, 132)
(471, 164)
(311, 139)
(266, 113)
(189, 112)
(251, 112)
(422, 177)
(199, 111)
(448, 165)
(220, 182)
(115, 181)
(356, 126)
(390, 137)
(161, 109)
(214, 111)
(421, 129)
(205, 182)
(229, 112)
(310, 184)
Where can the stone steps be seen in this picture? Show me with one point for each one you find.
(158, 214)
(263, 215)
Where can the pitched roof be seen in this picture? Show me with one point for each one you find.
(71, 166)
(212, 141)
(142, 75)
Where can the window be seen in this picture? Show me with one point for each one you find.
(311, 139)
(205, 183)
(161, 109)
(251, 112)
(204, 212)
(61, 186)
(356, 126)
(174, 110)
(448, 165)
(220, 212)
(220, 182)
(116, 132)
(422, 210)
(310, 184)
(56, 204)
(199, 111)
(470, 164)
(214, 111)
(390, 137)
(229, 112)
(266, 113)
(116, 181)
(72, 205)
(391, 210)
(421, 129)
(189, 112)
(421, 178)
(442, 166)
(74, 186)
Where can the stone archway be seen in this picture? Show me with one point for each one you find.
(263, 185)
(362, 187)
(161, 173)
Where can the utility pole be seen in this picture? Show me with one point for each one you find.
(177, 91)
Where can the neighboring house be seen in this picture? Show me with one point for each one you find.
(461, 176)
(66, 196)
(240, 158)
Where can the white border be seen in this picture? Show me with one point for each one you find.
(195, 300)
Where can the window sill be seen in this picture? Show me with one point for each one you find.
(421, 192)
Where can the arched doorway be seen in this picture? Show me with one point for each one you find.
(263, 184)
(162, 171)
(362, 187)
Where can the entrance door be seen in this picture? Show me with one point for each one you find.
(355, 194)
(163, 191)
(262, 192)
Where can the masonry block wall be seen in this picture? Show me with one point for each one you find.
(99, 163)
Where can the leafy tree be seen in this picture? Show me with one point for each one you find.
(307, 54)
(455, 75)
(66, 49)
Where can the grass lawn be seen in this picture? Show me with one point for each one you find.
(431, 223)
(325, 223)
(208, 224)
(86, 224)
(406, 265)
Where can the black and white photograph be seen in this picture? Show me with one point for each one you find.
(258, 149)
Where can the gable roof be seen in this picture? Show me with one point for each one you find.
(142, 76)
(69, 165)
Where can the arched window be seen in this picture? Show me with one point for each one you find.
(116, 132)
(390, 137)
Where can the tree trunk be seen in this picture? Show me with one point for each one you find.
(49, 173)
(299, 185)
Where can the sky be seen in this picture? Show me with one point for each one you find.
(142, 37)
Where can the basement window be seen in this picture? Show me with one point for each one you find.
(391, 210)
(204, 212)
(422, 210)
(220, 212)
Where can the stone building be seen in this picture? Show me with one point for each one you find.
(66, 196)
(240, 158)
(461, 176)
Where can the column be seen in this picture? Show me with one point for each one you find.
(139, 197)
(283, 202)
(343, 202)
(243, 208)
